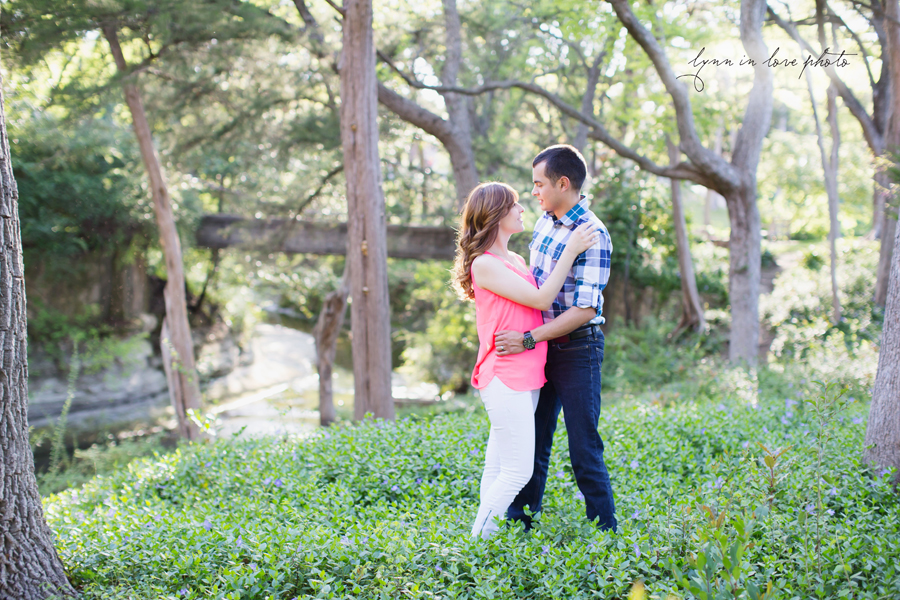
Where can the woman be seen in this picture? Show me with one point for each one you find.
(506, 297)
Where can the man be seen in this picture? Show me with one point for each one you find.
(572, 328)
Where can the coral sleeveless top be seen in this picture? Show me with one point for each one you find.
(493, 313)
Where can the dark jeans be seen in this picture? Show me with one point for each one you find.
(573, 384)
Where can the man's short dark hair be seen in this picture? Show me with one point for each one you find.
(563, 160)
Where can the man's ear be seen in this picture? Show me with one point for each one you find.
(563, 183)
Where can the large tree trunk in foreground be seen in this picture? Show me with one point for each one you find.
(883, 430)
(691, 307)
(29, 566)
(367, 232)
(892, 148)
(326, 333)
(184, 386)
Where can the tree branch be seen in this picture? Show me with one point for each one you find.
(705, 160)
(598, 132)
(874, 137)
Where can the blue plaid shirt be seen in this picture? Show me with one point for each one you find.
(590, 273)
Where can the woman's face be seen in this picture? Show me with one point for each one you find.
(513, 222)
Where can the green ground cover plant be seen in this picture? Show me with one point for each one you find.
(729, 484)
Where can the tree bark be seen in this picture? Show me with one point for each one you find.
(831, 185)
(187, 394)
(829, 162)
(30, 569)
(892, 148)
(712, 194)
(882, 444)
(326, 333)
(465, 173)
(744, 274)
(691, 307)
(367, 233)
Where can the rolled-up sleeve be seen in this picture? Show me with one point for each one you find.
(591, 270)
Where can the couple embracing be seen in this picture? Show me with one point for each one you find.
(541, 346)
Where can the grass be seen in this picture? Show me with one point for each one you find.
(382, 510)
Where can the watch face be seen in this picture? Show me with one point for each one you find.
(528, 342)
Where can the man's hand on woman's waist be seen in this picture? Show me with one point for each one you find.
(508, 342)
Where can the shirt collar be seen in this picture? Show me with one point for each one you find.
(574, 214)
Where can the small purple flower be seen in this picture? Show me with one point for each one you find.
(208, 464)
(765, 429)
(438, 569)
(252, 566)
(345, 540)
(857, 420)
(636, 514)
(183, 591)
(560, 474)
(832, 491)
(267, 481)
(418, 480)
(637, 550)
(721, 407)
(789, 414)
(784, 421)
(239, 542)
(394, 488)
(278, 482)
(790, 385)
(810, 509)
(437, 466)
(884, 472)
(634, 464)
(326, 436)
(473, 452)
(746, 444)
(545, 549)
(579, 496)
(830, 512)
(718, 484)
(703, 431)
(207, 525)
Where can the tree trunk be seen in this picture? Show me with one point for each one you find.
(691, 307)
(744, 274)
(879, 199)
(831, 185)
(464, 171)
(326, 333)
(187, 394)
(892, 149)
(712, 194)
(30, 569)
(367, 233)
(882, 444)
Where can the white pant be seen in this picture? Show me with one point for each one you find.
(509, 459)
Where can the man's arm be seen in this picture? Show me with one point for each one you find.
(569, 321)
(591, 272)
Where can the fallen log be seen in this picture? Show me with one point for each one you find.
(310, 237)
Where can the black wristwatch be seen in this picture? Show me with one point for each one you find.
(528, 342)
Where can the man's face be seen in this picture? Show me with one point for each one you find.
(549, 195)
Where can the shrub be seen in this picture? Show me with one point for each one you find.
(723, 477)
(813, 261)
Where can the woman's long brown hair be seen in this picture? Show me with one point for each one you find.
(479, 225)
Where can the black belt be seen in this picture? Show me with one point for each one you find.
(581, 332)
